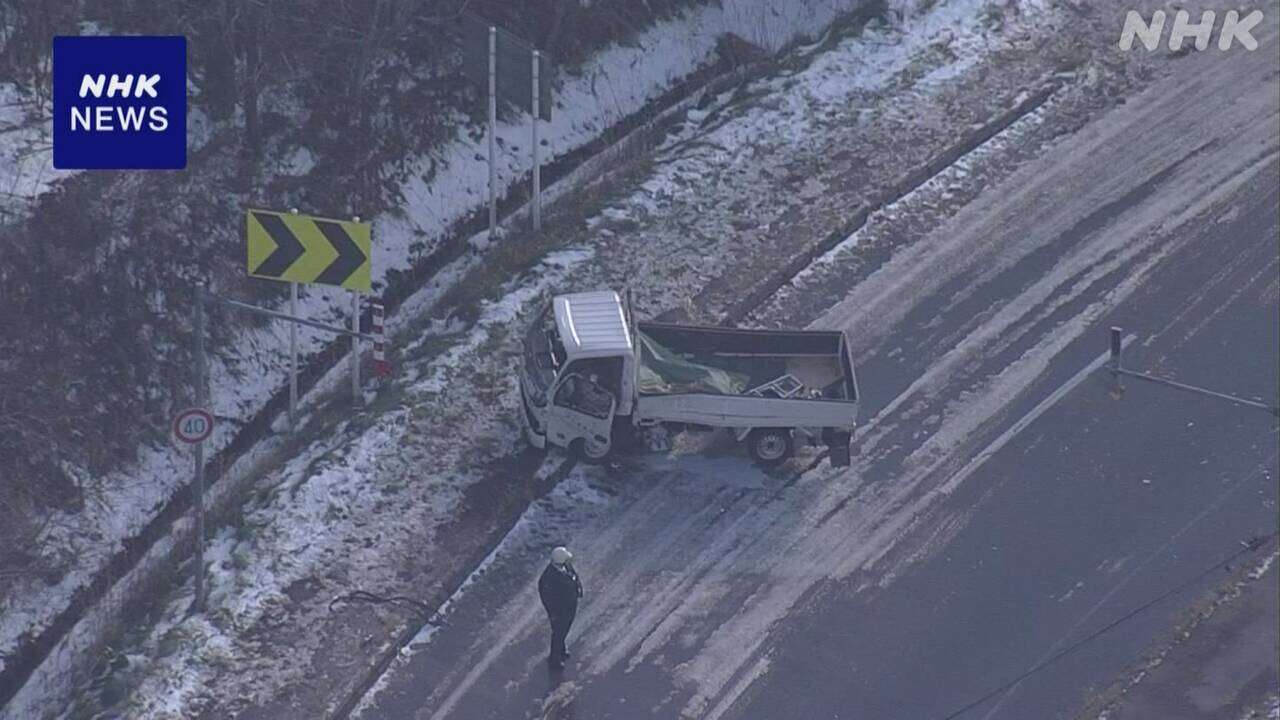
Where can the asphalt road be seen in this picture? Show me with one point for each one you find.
(1004, 506)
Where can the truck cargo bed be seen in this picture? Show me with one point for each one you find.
(798, 367)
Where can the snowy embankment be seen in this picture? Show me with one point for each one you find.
(361, 509)
(26, 153)
(717, 578)
(614, 84)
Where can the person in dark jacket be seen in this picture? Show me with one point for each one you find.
(559, 589)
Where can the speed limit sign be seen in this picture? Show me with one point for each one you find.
(193, 425)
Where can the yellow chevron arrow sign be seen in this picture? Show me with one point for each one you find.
(309, 249)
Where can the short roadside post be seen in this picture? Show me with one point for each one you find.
(376, 320)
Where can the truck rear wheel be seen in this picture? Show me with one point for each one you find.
(769, 446)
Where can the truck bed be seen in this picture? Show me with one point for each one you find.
(739, 411)
(745, 378)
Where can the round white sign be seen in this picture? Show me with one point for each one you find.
(193, 425)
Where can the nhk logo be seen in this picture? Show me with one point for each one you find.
(101, 118)
(1234, 28)
(119, 102)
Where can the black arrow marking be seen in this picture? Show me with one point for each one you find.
(350, 256)
(288, 249)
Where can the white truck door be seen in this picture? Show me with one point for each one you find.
(582, 410)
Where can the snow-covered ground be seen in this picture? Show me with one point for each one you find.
(613, 84)
(348, 511)
(26, 153)
(988, 354)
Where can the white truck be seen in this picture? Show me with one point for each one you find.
(595, 380)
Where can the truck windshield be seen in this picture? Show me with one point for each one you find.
(543, 351)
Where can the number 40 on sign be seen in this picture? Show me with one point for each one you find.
(193, 425)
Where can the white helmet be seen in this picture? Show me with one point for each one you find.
(561, 555)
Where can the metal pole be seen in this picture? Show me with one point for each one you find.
(1117, 369)
(356, 396)
(493, 129)
(536, 205)
(283, 316)
(293, 358)
(198, 489)
(355, 347)
(293, 352)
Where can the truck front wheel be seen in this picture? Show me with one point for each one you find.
(591, 453)
(769, 446)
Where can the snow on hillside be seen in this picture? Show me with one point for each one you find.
(456, 407)
(26, 153)
(615, 83)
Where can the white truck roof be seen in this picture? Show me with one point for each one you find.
(592, 324)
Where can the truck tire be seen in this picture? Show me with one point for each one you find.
(769, 446)
(582, 453)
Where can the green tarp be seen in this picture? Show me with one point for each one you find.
(663, 372)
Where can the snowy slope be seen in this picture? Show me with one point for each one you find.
(457, 410)
(26, 153)
(612, 85)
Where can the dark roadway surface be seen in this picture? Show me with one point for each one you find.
(1005, 506)
(1095, 508)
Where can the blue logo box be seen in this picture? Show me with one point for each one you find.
(119, 102)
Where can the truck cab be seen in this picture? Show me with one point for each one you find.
(579, 372)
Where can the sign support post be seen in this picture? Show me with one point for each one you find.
(493, 129)
(201, 397)
(536, 205)
(356, 396)
(293, 351)
(293, 359)
(355, 347)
